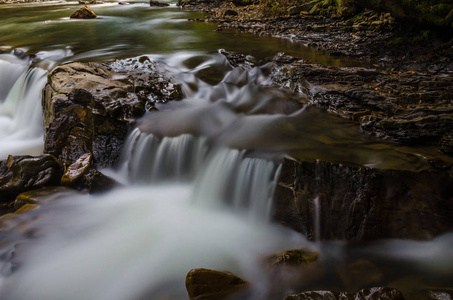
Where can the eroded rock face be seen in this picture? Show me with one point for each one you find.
(377, 293)
(90, 107)
(210, 284)
(360, 203)
(23, 173)
(84, 13)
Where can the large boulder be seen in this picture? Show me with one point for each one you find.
(335, 201)
(90, 107)
(23, 173)
(205, 284)
(84, 13)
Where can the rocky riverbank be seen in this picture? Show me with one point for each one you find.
(375, 37)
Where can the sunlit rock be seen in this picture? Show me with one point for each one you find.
(76, 169)
(210, 284)
(84, 13)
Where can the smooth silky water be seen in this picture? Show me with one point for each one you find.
(198, 175)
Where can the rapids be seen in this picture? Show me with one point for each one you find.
(198, 175)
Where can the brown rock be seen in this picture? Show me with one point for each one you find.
(27, 208)
(210, 285)
(76, 169)
(89, 108)
(83, 13)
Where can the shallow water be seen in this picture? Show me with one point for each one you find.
(198, 174)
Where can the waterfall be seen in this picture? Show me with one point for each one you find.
(11, 67)
(148, 158)
(244, 183)
(21, 114)
(220, 175)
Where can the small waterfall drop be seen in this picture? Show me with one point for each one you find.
(21, 115)
(245, 183)
(148, 158)
(221, 176)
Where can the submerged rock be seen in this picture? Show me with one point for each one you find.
(377, 293)
(210, 285)
(23, 173)
(89, 108)
(362, 203)
(84, 13)
(42, 196)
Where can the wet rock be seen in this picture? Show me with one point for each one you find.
(76, 169)
(407, 108)
(377, 293)
(295, 257)
(209, 284)
(89, 108)
(23, 173)
(96, 182)
(158, 4)
(26, 208)
(43, 196)
(361, 203)
(84, 13)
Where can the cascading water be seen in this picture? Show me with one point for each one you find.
(21, 113)
(194, 193)
(138, 242)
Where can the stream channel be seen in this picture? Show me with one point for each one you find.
(198, 173)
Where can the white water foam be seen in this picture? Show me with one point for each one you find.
(21, 129)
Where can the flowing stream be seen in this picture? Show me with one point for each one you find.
(198, 175)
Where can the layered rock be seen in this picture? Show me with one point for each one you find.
(407, 108)
(361, 203)
(89, 108)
